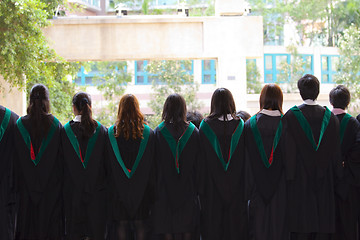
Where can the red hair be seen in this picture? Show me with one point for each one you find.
(130, 121)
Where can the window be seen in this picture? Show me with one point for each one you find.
(329, 67)
(272, 63)
(85, 78)
(208, 72)
(142, 77)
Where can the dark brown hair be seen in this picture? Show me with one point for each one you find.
(82, 102)
(339, 97)
(222, 104)
(174, 110)
(271, 97)
(309, 87)
(38, 110)
(130, 121)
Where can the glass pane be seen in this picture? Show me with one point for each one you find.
(77, 81)
(268, 62)
(207, 65)
(307, 63)
(325, 78)
(269, 77)
(140, 66)
(324, 63)
(140, 79)
(152, 78)
(88, 80)
(207, 78)
(334, 63)
(280, 60)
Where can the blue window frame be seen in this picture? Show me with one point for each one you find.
(84, 78)
(329, 67)
(142, 77)
(272, 65)
(208, 71)
(273, 62)
(308, 63)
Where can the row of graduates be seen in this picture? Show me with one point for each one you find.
(271, 177)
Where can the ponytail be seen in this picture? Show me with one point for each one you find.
(38, 110)
(82, 103)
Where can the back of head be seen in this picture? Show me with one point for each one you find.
(82, 103)
(309, 87)
(195, 117)
(222, 103)
(38, 109)
(243, 114)
(130, 121)
(271, 97)
(339, 97)
(174, 110)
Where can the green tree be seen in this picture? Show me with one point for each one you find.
(171, 77)
(26, 58)
(291, 72)
(253, 84)
(111, 80)
(349, 67)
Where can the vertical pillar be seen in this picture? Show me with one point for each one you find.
(231, 74)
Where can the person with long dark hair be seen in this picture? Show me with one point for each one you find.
(267, 191)
(85, 176)
(223, 203)
(7, 190)
(131, 148)
(38, 170)
(176, 210)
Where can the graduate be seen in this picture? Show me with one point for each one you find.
(38, 170)
(176, 209)
(85, 176)
(223, 203)
(7, 188)
(348, 203)
(267, 192)
(131, 149)
(312, 161)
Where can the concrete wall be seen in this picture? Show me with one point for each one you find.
(12, 98)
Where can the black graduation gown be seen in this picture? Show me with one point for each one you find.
(39, 214)
(311, 175)
(348, 206)
(7, 188)
(132, 198)
(176, 208)
(223, 202)
(267, 191)
(85, 189)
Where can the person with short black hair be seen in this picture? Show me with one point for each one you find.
(176, 210)
(131, 152)
(244, 115)
(85, 173)
(195, 117)
(348, 207)
(266, 181)
(223, 201)
(7, 191)
(312, 159)
(38, 170)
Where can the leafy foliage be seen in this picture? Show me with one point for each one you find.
(111, 81)
(24, 51)
(291, 73)
(253, 83)
(171, 77)
(349, 69)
